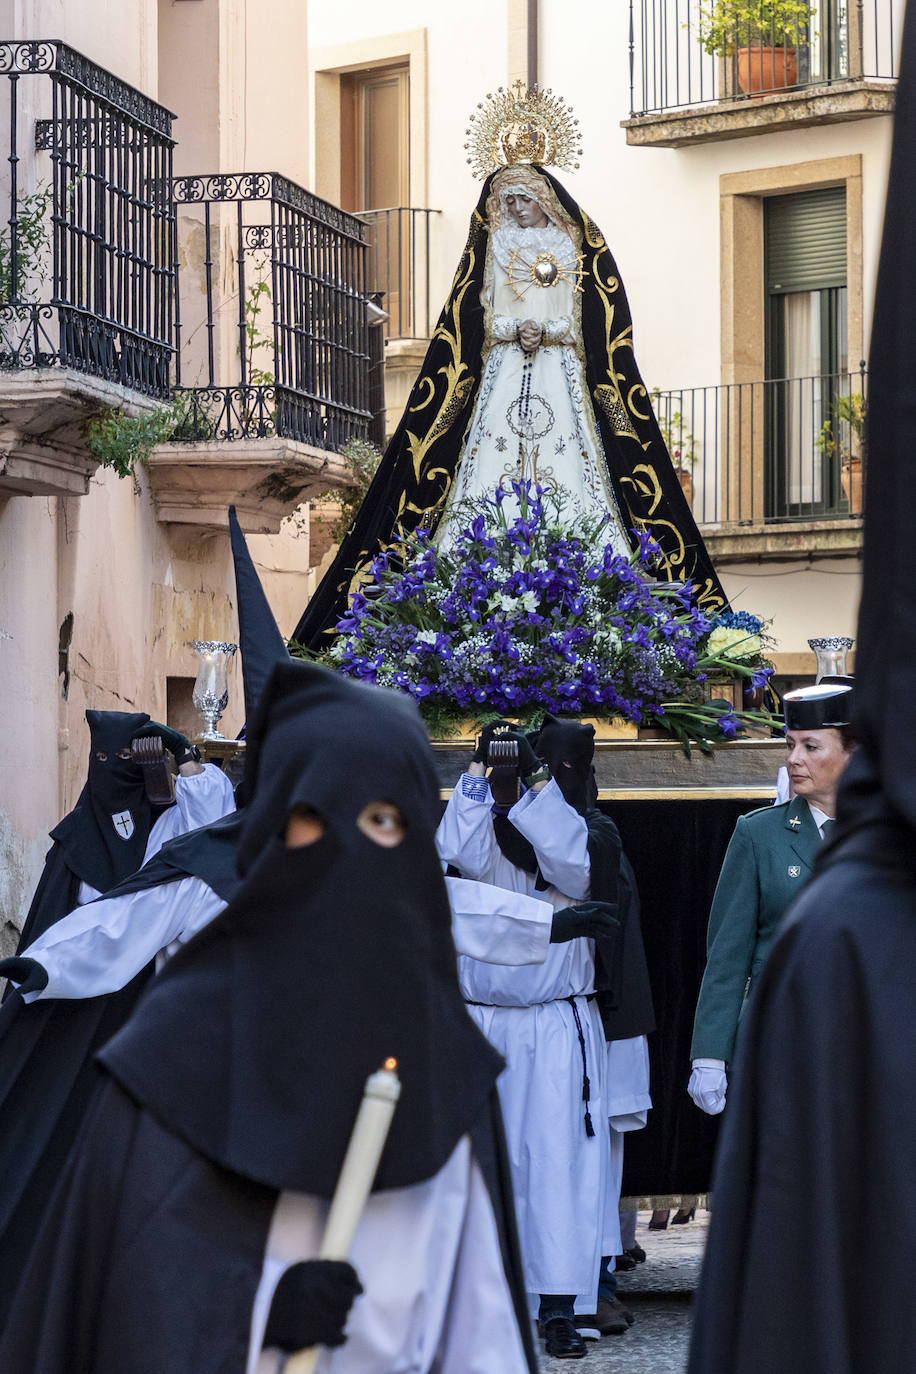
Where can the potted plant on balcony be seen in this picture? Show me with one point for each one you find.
(680, 443)
(762, 35)
(843, 435)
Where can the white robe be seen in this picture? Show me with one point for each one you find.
(436, 1299)
(99, 948)
(532, 418)
(566, 1210)
(628, 1107)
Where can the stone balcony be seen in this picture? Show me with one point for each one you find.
(745, 116)
(193, 484)
(43, 416)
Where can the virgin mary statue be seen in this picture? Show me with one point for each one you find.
(530, 375)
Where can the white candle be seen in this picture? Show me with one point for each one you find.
(356, 1177)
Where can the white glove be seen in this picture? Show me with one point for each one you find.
(708, 1085)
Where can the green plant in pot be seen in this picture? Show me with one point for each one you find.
(681, 444)
(842, 437)
(761, 35)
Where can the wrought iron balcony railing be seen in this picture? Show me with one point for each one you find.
(763, 453)
(399, 243)
(87, 276)
(682, 55)
(273, 330)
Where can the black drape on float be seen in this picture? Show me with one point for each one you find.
(676, 849)
(410, 487)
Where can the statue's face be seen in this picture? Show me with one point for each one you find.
(525, 211)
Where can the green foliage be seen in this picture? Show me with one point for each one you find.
(847, 419)
(33, 239)
(256, 298)
(680, 443)
(121, 442)
(362, 459)
(729, 24)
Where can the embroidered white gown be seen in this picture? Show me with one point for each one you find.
(532, 418)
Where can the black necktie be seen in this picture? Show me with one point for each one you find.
(826, 828)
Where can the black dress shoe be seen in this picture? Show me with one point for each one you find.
(562, 1340)
(658, 1220)
(637, 1253)
(623, 1263)
(683, 1215)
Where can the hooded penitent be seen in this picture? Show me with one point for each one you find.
(330, 959)
(413, 481)
(104, 837)
(624, 996)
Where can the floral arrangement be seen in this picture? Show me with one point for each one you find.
(738, 636)
(539, 613)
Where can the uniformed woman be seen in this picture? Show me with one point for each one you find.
(769, 858)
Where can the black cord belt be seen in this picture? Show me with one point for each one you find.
(586, 1083)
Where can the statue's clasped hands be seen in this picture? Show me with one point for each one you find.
(530, 335)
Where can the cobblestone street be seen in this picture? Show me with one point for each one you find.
(659, 1294)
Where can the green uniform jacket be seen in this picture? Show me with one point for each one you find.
(768, 861)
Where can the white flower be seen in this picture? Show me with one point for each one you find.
(730, 642)
(427, 637)
(528, 601)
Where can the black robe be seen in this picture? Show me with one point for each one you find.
(815, 1163)
(137, 1202)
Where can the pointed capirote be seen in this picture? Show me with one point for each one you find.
(260, 641)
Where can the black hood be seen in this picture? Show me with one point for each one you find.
(104, 837)
(568, 747)
(330, 959)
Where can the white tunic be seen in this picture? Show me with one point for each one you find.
(436, 1299)
(99, 948)
(532, 418)
(567, 1216)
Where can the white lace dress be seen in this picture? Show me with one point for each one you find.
(532, 418)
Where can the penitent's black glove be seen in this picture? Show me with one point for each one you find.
(588, 919)
(310, 1305)
(27, 974)
(173, 740)
(528, 761)
(483, 742)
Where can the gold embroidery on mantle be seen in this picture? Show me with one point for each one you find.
(425, 501)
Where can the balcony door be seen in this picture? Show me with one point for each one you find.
(375, 175)
(828, 49)
(806, 365)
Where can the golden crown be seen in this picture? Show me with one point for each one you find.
(522, 124)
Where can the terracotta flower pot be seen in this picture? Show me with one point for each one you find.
(766, 69)
(685, 477)
(851, 482)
